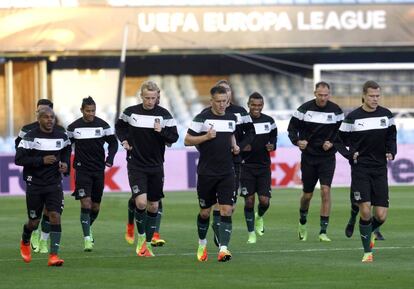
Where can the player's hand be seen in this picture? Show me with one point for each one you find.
(108, 164)
(389, 156)
(211, 133)
(355, 157)
(126, 145)
(270, 147)
(235, 149)
(302, 144)
(49, 159)
(63, 167)
(247, 148)
(327, 145)
(157, 125)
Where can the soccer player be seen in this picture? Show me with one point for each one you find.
(370, 134)
(313, 128)
(143, 130)
(244, 135)
(255, 174)
(44, 152)
(156, 240)
(212, 131)
(39, 239)
(89, 134)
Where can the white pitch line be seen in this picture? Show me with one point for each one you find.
(234, 252)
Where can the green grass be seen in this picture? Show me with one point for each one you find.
(278, 260)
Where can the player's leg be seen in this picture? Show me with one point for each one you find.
(263, 188)
(247, 191)
(96, 198)
(54, 201)
(326, 169)
(44, 233)
(225, 196)
(156, 240)
(379, 200)
(130, 228)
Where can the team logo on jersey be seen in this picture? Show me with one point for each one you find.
(230, 125)
(383, 122)
(58, 143)
(135, 189)
(81, 193)
(97, 132)
(266, 127)
(330, 117)
(357, 196)
(32, 214)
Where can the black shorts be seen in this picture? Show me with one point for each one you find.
(317, 168)
(213, 189)
(370, 185)
(39, 197)
(89, 184)
(147, 183)
(255, 180)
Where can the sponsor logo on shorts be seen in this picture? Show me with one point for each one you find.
(81, 193)
(32, 214)
(29, 178)
(357, 196)
(135, 189)
(202, 202)
(243, 191)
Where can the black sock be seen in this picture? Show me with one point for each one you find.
(216, 223)
(131, 210)
(365, 228)
(324, 224)
(354, 213)
(261, 209)
(140, 220)
(85, 220)
(27, 233)
(225, 230)
(249, 217)
(202, 227)
(159, 216)
(45, 224)
(55, 234)
(376, 224)
(303, 216)
(94, 215)
(150, 225)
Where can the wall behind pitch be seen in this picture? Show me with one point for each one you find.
(181, 167)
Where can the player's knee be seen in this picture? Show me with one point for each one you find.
(54, 217)
(205, 213)
(152, 207)
(249, 202)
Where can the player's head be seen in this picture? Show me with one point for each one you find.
(150, 94)
(43, 102)
(88, 109)
(322, 93)
(371, 93)
(46, 118)
(219, 100)
(224, 83)
(255, 104)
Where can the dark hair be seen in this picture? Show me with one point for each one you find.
(369, 84)
(255, 95)
(218, 90)
(45, 101)
(322, 84)
(88, 101)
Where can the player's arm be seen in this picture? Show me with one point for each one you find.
(295, 126)
(192, 138)
(248, 130)
(65, 152)
(121, 129)
(169, 131)
(23, 157)
(391, 139)
(112, 145)
(343, 139)
(271, 146)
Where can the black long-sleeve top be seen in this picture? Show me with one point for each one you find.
(266, 133)
(28, 127)
(136, 125)
(33, 147)
(371, 134)
(316, 125)
(89, 139)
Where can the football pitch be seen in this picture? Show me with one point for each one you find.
(277, 260)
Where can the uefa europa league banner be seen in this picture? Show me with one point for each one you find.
(181, 171)
(154, 29)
